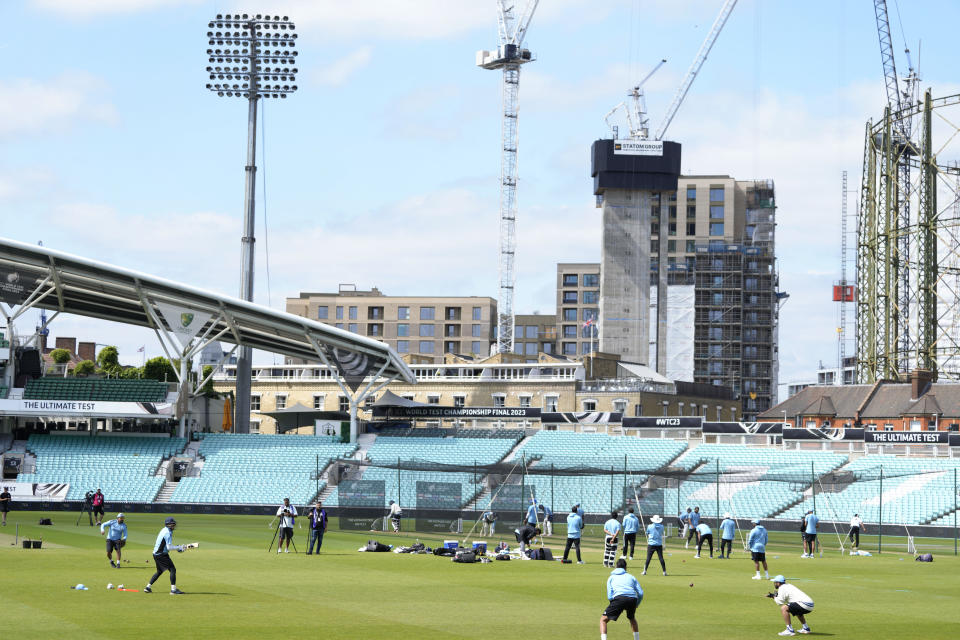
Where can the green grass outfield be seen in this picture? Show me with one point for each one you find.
(235, 589)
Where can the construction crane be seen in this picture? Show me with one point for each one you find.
(637, 119)
(694, 69)
(898, 99)
(509, 56)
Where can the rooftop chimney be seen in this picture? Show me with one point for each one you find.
(920, 380)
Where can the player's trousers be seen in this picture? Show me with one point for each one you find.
(705, 538)
(572, 542)
(610, 544)
(725, 543)
(629, 542)
(164, 563)
(854, 536)
(655, 549)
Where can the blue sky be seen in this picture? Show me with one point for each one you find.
(382, 170)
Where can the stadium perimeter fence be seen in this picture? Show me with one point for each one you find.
(452, 498)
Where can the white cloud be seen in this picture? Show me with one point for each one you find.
(90, 8)
(31, 106)
(339, 71)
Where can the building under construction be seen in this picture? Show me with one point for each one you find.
(737, 300)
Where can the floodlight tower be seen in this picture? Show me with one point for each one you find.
(509, 55)
(249, 55)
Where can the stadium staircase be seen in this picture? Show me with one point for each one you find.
(166, 491)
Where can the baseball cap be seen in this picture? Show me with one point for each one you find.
(170, 520)
(810, 511)
(120, 515)
(755, 521)
(779, 578)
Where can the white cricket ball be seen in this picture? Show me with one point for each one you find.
(109, 585)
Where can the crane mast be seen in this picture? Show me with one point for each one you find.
(509, 56)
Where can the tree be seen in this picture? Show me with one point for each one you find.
(131, 373)
(108, 361)
(207, 388)
(60, 356)
(159, 368)
(84, 368)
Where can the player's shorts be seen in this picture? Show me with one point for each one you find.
(98, 509)
(796, 610)
(758, 556)
(286, 533)
(810, 537)
(163, 562)
(114, 544)
(621, 604)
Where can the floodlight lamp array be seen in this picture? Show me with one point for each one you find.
(251, 56)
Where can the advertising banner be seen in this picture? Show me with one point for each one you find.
(839, 433)
(184, 322)
(772, 428)
(638, 147)
(666, 422)
(581, 417)
(906, 437)
(483, 413)
(93, 408)
(21, 491)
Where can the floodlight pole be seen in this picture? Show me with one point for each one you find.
(259, 39)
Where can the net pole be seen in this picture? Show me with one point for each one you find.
(625, 482)
(813, 487)
(553, 505)
(880, 519)
(954, 511)
(718, 494)
(318, 476)
(398, 481)
(835, 519)
(523, 489)
(493, 498)
(611, 488)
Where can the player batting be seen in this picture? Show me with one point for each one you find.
(611, 530)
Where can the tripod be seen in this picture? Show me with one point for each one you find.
(85, 508)
(275, 532)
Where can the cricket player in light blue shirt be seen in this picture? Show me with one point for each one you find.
(611, 530)
(810, 534)
(116, 537)
(655, 543)
(631, 525)
(757, 541)
(704, 534)
(532, 513)
(574, 531)
(625, 595)
(727, 532)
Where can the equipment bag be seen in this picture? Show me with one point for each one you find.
(541, 554)
(465, 556)
(373, 545)
(444, 551)
(503, 556)
(925, 557)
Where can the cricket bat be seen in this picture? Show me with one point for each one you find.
(192, 545)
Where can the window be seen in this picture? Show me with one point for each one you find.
(427, 330)
(403, 313)
(589, 405)
(716, 228)
(591, 279)
(476, 330)
(620, 405)
(339, 313)
(715, 333)
(499, 400)
(569, 315)
(532, 332)
(587, 347)
(591, 297)
(569, 331)
(281, 400)
(691, 193)
(353, 313)
(403, 330)
(375, 313)
(477, 347)
(403, 346)
(654, 230)
(451, 330)
(426, 346)
(254, 426)
(433, 398)
(255, 402)
(339, 325)
(590, 314)
(546, 347)
(691, 228)
(716, 194)
(530, 348)
(718, 298)
(691, 212)
(524, 401)
(458, 401)
(452, 313)
(569, 348)
(550, 403)
(343, 402)
(375, 330)
(672, 229)
(323, 313)
(427, 313)
(451, 346)
(691, 246)
(570, 279)
(569, 297)
(318, 401)
(716, 212)
(672, 246)
(353, 327)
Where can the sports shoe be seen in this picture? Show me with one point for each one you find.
(805, 630)
(664, 573)
(286, 550)
(117, 566)
(787, 632)
(644, 572)
(278, 550)
(697, 557)
(147, 589)
(113, 564)
(756, 577)
(580, 562)
(631, 557)
(176, 592)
